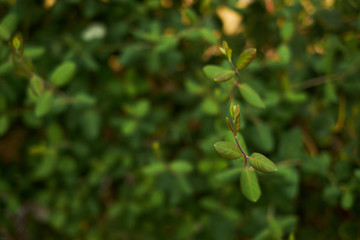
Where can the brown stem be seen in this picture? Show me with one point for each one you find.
(242, 151)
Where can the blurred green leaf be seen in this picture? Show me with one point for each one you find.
(4, 125)
(63, 73)
(154, 168)
(181, 166)
(251, 96)
(44, 104)
(37, 85)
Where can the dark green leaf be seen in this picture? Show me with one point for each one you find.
(228, 150)
(249, 185)
(262, 163)
(63, 73)
(245, 58)
(251, 96)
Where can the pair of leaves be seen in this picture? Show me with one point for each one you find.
(258, 161)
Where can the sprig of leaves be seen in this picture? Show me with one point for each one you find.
(43, 92)
(229, 150)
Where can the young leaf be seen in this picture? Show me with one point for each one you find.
(251, 96)
(44, 104)
(228, 150)
(245, 58)
(212, 70)
(249, 184)
(224, 76)
(262, 163)
(63, 73)
(230, 127)
(37, 85)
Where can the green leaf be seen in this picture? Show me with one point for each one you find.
(210, 106)
(251, 96)
(34, 52)
(181, 166)
(228, 150)
(212, 70)
(4, 125)
(262, 163)
(228, 175)
(284, 53)
(224, 76)
(4, 33)
(37, 85)
(347, 200)
(44, 104)
(63, 73)
(249, 184)
(83, 99)
(154, 168)
(245, 58)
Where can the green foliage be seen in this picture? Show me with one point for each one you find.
(108, 123)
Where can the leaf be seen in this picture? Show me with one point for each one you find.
(181, 166)
(228, 150)
(4, 33)
(83, 99)
(154, 169)
(262, 163)
(210, 106)
(224, 76)
(228, 175)
(251, 96)
(245, 58)
(230, 127)
(249, 184)
(37, 85)
(44, 104)
(63, 73)
(212, 70)
(4, 125)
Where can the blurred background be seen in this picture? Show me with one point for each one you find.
(125, 149)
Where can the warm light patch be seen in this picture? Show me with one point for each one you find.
(114, 63)
(328, 3)
(49, 3)
(166, 3)
(308, 6)
(231, 20)
(187, 3)
(243, 3)
(105, 1)
(211, 51)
